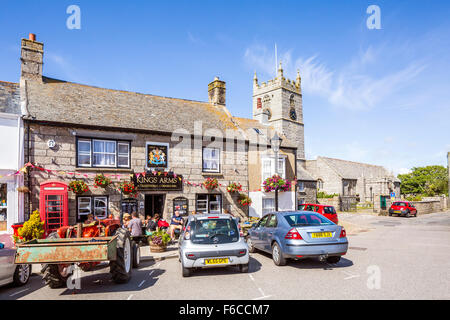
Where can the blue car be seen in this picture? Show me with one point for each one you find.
(297, 235)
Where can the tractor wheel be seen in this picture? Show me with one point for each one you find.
(136, 254)
(55, 275)
(121, 268)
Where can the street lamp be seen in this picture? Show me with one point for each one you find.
(275, 144)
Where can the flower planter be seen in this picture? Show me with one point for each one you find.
(157, 248)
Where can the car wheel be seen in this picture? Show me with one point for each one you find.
(408, 214)
(186, 272)
(277, 255)
(22, 274)
(390, 214)
(334, 259)
(243, 268)
(251, 248)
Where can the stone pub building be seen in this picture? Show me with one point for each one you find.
(78, 131)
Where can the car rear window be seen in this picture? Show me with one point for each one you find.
(400, 204)
(214, 231)
(329, 210)
(302, 219)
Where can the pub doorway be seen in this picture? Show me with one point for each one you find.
(154, 203)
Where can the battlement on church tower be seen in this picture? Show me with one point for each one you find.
(279, 82)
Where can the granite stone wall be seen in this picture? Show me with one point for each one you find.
(186, 161)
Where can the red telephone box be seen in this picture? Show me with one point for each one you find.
(54, 205)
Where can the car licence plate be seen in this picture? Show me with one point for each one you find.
(397, 211)
(217, 261)
(321, 235)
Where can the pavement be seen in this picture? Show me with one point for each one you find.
(388, 258)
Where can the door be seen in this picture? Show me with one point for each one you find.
(53, 205)
(154, 203)
(268, 232)
(256, 232)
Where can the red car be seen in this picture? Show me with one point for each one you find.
(403, 208)
(327, 211)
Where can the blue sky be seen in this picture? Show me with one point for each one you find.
(376, 96)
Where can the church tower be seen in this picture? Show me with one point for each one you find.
(278, 103)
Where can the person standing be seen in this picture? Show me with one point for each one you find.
(135, 225)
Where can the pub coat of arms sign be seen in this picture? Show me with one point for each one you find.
(157, 156)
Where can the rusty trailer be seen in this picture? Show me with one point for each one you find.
(71, 250)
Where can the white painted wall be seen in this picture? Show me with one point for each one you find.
(286, 201)
(11, 160)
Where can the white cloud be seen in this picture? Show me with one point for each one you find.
(352, 87)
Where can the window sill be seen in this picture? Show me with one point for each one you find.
(123, 170)
(212, 173)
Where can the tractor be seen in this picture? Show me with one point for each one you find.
(86, 245)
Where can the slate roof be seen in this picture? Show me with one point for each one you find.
(304, 175)
(266, 132)
(65, 102)
(9, 97)
(355, 170)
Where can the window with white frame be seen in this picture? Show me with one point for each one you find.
(211, 160)
(98, 206)
(84, 153)
(209, 203)
(301, 186)
(268, 167)
(268, 205)
(103, 153)
(123, 154)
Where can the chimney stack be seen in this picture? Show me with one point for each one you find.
(32, 55)
(216, 92)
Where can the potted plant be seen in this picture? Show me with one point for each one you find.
(244, 200)
(101, 181)
(159, 241)
(127, 187)
(211, 183)
(234, 187)
(276, 183)
(78, 186)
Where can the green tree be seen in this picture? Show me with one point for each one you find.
(429, 181)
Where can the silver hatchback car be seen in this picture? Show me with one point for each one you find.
(297, 235)
(210, 240)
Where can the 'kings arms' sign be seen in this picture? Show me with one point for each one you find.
(161, 182)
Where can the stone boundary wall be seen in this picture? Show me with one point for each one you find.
(425, 207)
(330, 202)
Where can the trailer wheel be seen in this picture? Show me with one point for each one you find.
(136, 254)
(55, 275)
(121, 268)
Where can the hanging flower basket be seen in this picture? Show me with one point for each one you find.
(101, 181)
(276, 183)
(244, 200)
(78, 186)
(211, 183)
(128, 188)
(234, 187)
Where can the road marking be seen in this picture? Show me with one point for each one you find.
(129, 298)
(260, 298)
(18, 292)
(140, 285)
(262, 292)
(352, 276)
(251, 277)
